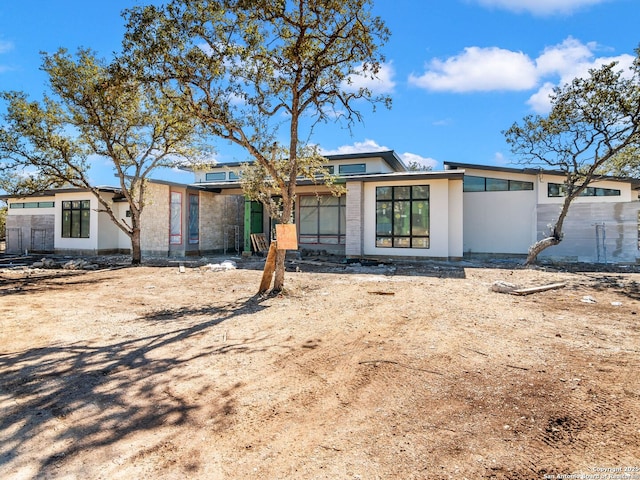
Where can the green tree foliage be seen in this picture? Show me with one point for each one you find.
(259, 73)
(95, 110)
(593, 130)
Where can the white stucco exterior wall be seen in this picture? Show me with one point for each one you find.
(438, 223)
(77, 244)
(456, 219)
(499, 222)
(107, 229)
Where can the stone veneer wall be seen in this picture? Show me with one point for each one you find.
(154, 238)
(354, 218)
(218, 214)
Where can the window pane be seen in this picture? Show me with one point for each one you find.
(383, 218)
(401, 218)
(175, 220)
(329, 221)
(517, 185)
(554, 190)
(420, 192)
(608, 192)
(66, 223)
(329, 200)
(66, 205)
(497, 185)
(473, 184)
(399, 242)
(420, 218)
(85, 204)
(329, 240)
(308, 200)
(84, 225)
(353, 168)
(194, 219)
(213, 176)
(420, 242)
(402, 193)
(383, 193)
(75, 204)
(383, 242)
(75, 223)
(308, 220)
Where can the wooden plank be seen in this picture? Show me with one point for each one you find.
(269, 268)
(542, 288)
(259, 242)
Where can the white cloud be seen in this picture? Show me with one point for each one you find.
(408, 158)
(494, 69)
(477, 70)
(358, 147)
(368, 146)
(540, 101)
(566, 61)
(5, 46)
(381, 84)
(540, 7)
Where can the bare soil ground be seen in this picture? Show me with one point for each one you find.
(401, 371)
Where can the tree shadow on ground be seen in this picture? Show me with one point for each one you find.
(81, 396)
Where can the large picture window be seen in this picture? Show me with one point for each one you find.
(322, 219)
(75, 218)
(175, 220)
(402, 216)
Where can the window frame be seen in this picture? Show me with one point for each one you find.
(175, 236)
(318, 237)
(559, 191)
(491, 184)
(215, 176)
(390, 234)
(79, 227)
(352, 168)
(194, 233)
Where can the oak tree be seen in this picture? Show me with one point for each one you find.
(592, 130)
(261, 74)
(94, 111)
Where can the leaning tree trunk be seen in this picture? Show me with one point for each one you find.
(136, 252)
(278, 279)
(287, 210)
(554, 238)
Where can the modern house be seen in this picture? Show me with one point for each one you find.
(387, 211)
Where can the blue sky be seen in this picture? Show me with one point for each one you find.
(459, 71)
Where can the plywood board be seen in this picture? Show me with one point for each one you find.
(286, 236)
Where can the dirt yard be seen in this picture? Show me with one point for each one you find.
(397, 371)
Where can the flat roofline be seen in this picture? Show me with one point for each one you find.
(535, 171)
(389, 156)
(526, 170)
(376, 177)
(53, 191)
